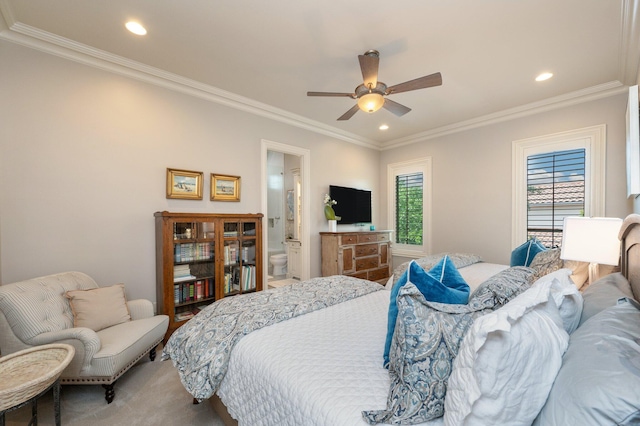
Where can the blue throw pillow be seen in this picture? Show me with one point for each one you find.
(443, 283)
(524, 254)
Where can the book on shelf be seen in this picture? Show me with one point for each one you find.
(248, 277)
(181, 316)
(184, 278)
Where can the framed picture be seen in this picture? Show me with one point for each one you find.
(184, 184)
(225, 188)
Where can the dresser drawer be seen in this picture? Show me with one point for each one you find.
(367, 238)
(362, 275)
(366, 250)
(379, 274)
(383, 237)
(365, 263)
(348, 239)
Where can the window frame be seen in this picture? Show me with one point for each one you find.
(420, 165)
(592, 139)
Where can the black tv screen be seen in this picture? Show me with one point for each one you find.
(354, 205)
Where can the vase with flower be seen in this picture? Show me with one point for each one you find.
(330, 214)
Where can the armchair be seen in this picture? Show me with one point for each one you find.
(36, 312)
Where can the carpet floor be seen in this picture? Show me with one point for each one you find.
(150, 393)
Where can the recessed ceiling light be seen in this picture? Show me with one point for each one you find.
(135, 28)
(544, 76)
(383, 127)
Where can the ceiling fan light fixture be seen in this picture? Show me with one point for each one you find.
(371, 102)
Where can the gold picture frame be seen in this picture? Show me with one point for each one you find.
(184, 184)
(225, 188)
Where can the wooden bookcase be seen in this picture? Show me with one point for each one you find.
(202, 257)
(359, 254)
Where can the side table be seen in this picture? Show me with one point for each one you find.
(28, 374)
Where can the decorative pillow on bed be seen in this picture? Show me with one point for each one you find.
(499, 289)
(426, 341)
(523, 255)
(580, 271)
(603, 294)
(443, 283)
(598, 381)
(99, 308)
(566, 295)
(508, 361)
(460, 260)
(546, 262)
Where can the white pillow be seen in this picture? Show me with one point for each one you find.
(567, 297)
(507, 362)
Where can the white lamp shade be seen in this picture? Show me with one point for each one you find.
(371, 102)
(591, 239)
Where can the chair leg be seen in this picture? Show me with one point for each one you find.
(152, 354)
(110, 393)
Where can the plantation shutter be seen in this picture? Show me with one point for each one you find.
(409, 208)
(555, 189)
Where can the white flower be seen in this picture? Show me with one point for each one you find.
(328, 201)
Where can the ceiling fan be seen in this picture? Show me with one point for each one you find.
(371, 94)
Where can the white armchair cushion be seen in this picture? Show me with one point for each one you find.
(99, 308)
(140, 308)
(43, 302)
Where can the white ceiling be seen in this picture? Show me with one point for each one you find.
(263, 56)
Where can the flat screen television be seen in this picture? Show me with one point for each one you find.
(354, 205)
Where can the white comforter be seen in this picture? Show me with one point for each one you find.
(303, 372)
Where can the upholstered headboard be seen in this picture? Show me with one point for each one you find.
(630, 252)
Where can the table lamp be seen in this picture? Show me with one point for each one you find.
(591, 239)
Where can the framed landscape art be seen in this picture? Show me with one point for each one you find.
(185, 184)
(225, 188)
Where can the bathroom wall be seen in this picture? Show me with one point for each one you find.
(275, 201)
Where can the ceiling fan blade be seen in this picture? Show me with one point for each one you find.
(419, 83)
(349, 95)
(369, 65)
(394, 107)
(347, 115)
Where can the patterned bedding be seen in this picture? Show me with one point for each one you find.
(200, 349)
(320, 369)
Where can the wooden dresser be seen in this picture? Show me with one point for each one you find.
(358, 254)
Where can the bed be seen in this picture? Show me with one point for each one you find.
(323, 364)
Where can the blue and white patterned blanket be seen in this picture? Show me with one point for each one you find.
(201, 348)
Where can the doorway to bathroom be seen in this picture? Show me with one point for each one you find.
(285, 181)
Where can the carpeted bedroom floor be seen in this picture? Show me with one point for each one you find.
(150, 393)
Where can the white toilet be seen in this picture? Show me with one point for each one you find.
(279, 262)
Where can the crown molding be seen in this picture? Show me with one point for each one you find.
(581, 96)
(43, 41)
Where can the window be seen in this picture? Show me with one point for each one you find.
(555, 190)
(554, 176)
(409, 210)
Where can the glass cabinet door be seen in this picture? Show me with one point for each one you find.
(193, 267)
(231, 258)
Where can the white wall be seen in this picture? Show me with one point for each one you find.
(83, 158)
(472, 175)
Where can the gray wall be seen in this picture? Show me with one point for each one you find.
(472, 175)
(83, 158)
(84, 152)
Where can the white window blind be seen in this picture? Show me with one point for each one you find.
(555, 189)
